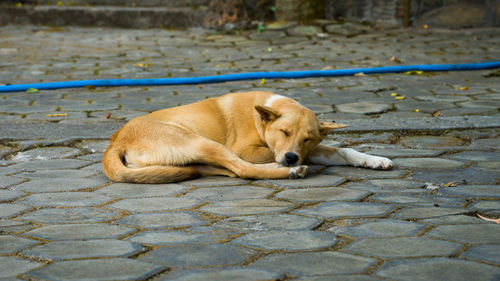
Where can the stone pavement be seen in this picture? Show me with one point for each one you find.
(62, 219)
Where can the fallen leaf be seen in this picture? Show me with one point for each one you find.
(393, 58)
(416, 110)
(31, 90)
(147, 64)
(108, 116)
(425, 26)
(414, 72)
(399, 98)
(269, 49)
(450, 184)
(329, 67)
(436, 113)
(497, 221)
(90, 87)
(57, 115)
(214, 37)
(436, 205)
(361, 74)
(262, 81)
(394, 94)
(464, 88)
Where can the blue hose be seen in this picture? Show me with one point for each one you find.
(248, 76)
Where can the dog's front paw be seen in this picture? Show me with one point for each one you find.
(376, 162)
(298, 172)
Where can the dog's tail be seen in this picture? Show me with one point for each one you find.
(114, 164)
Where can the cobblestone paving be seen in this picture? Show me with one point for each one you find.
(61, 218)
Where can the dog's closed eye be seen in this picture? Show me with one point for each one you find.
(285, 132)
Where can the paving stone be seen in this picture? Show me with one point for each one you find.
(331, 210)
(313, 263)
(65, 199)
(437, 269)
(427, 163)
(443, 98)
(10, 181)
(474, 191)
(8, 195)
(162, 220)
(473, 233)
(97, 269)
(322, 194)
(402, 247)
(79, 231)
(154, 204)
(405, 152)
(418, 199)
(8, 210)
(489, 143)
(198, 255)
(214, 181)
(490, 165)
(46, 153)
(476, 156)
(54, 174)
(7, 226)
(362, 173)
(397, 184)
(363, 107)
(309, 181)
(58, 184)
(225, 193)
(452, 219)
(355, 277)
(413, 213)
(10, 244)
(268, 222)
(72, 249)
(93, 146)
(430, 141)
(487, 253)
(290, 240)
(162, 238)
(246, 207)
(55, 164)
(10, 267)
(127, 190)
(464, 176)
(486, 206)
(381, 228)
(240, 274)
(72, 215)
(482, 103)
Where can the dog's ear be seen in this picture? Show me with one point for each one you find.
(326, 127)
(267, 113)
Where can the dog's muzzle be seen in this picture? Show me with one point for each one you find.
(290, 159)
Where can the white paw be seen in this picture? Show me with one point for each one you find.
(376, 162)
(298, 172)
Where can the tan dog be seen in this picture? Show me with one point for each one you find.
(255, 135)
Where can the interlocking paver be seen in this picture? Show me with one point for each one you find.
(98, 269)
(10, 267)
(73, 249)
(402, 247)
(314, 263)
(346, 209)
(10, 244)
(337, 223)
(198, 255)
(438, 269)
(79, 231)
(290, 240)
(381, 228)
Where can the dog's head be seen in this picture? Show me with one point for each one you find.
(292, 131)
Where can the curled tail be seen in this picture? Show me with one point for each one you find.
(115, 168)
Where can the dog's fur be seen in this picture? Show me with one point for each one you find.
(255, 135)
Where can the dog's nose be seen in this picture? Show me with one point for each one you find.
(291, 158)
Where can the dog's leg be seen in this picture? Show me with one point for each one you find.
(327, 155)
(213, 153)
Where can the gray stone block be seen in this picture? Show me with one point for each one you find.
(8, 210)
(473, 233)
(309, 181)
(71, 215)
(161, 220)
(225, 193)
(246, 207)
(198, 255)
(322, 194)
(268, 222)
(240, 274)
(331, 210)
(484, 253)
(314, 263)
(437, 269)
(74, 249)
(128, 190)
(10, 267)
(381, 228)
(98, 269)
(402, 247)
(10, 244)
(79, 231)
(154, 204)
(58, 184)
(65, 199)
(290, 240)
